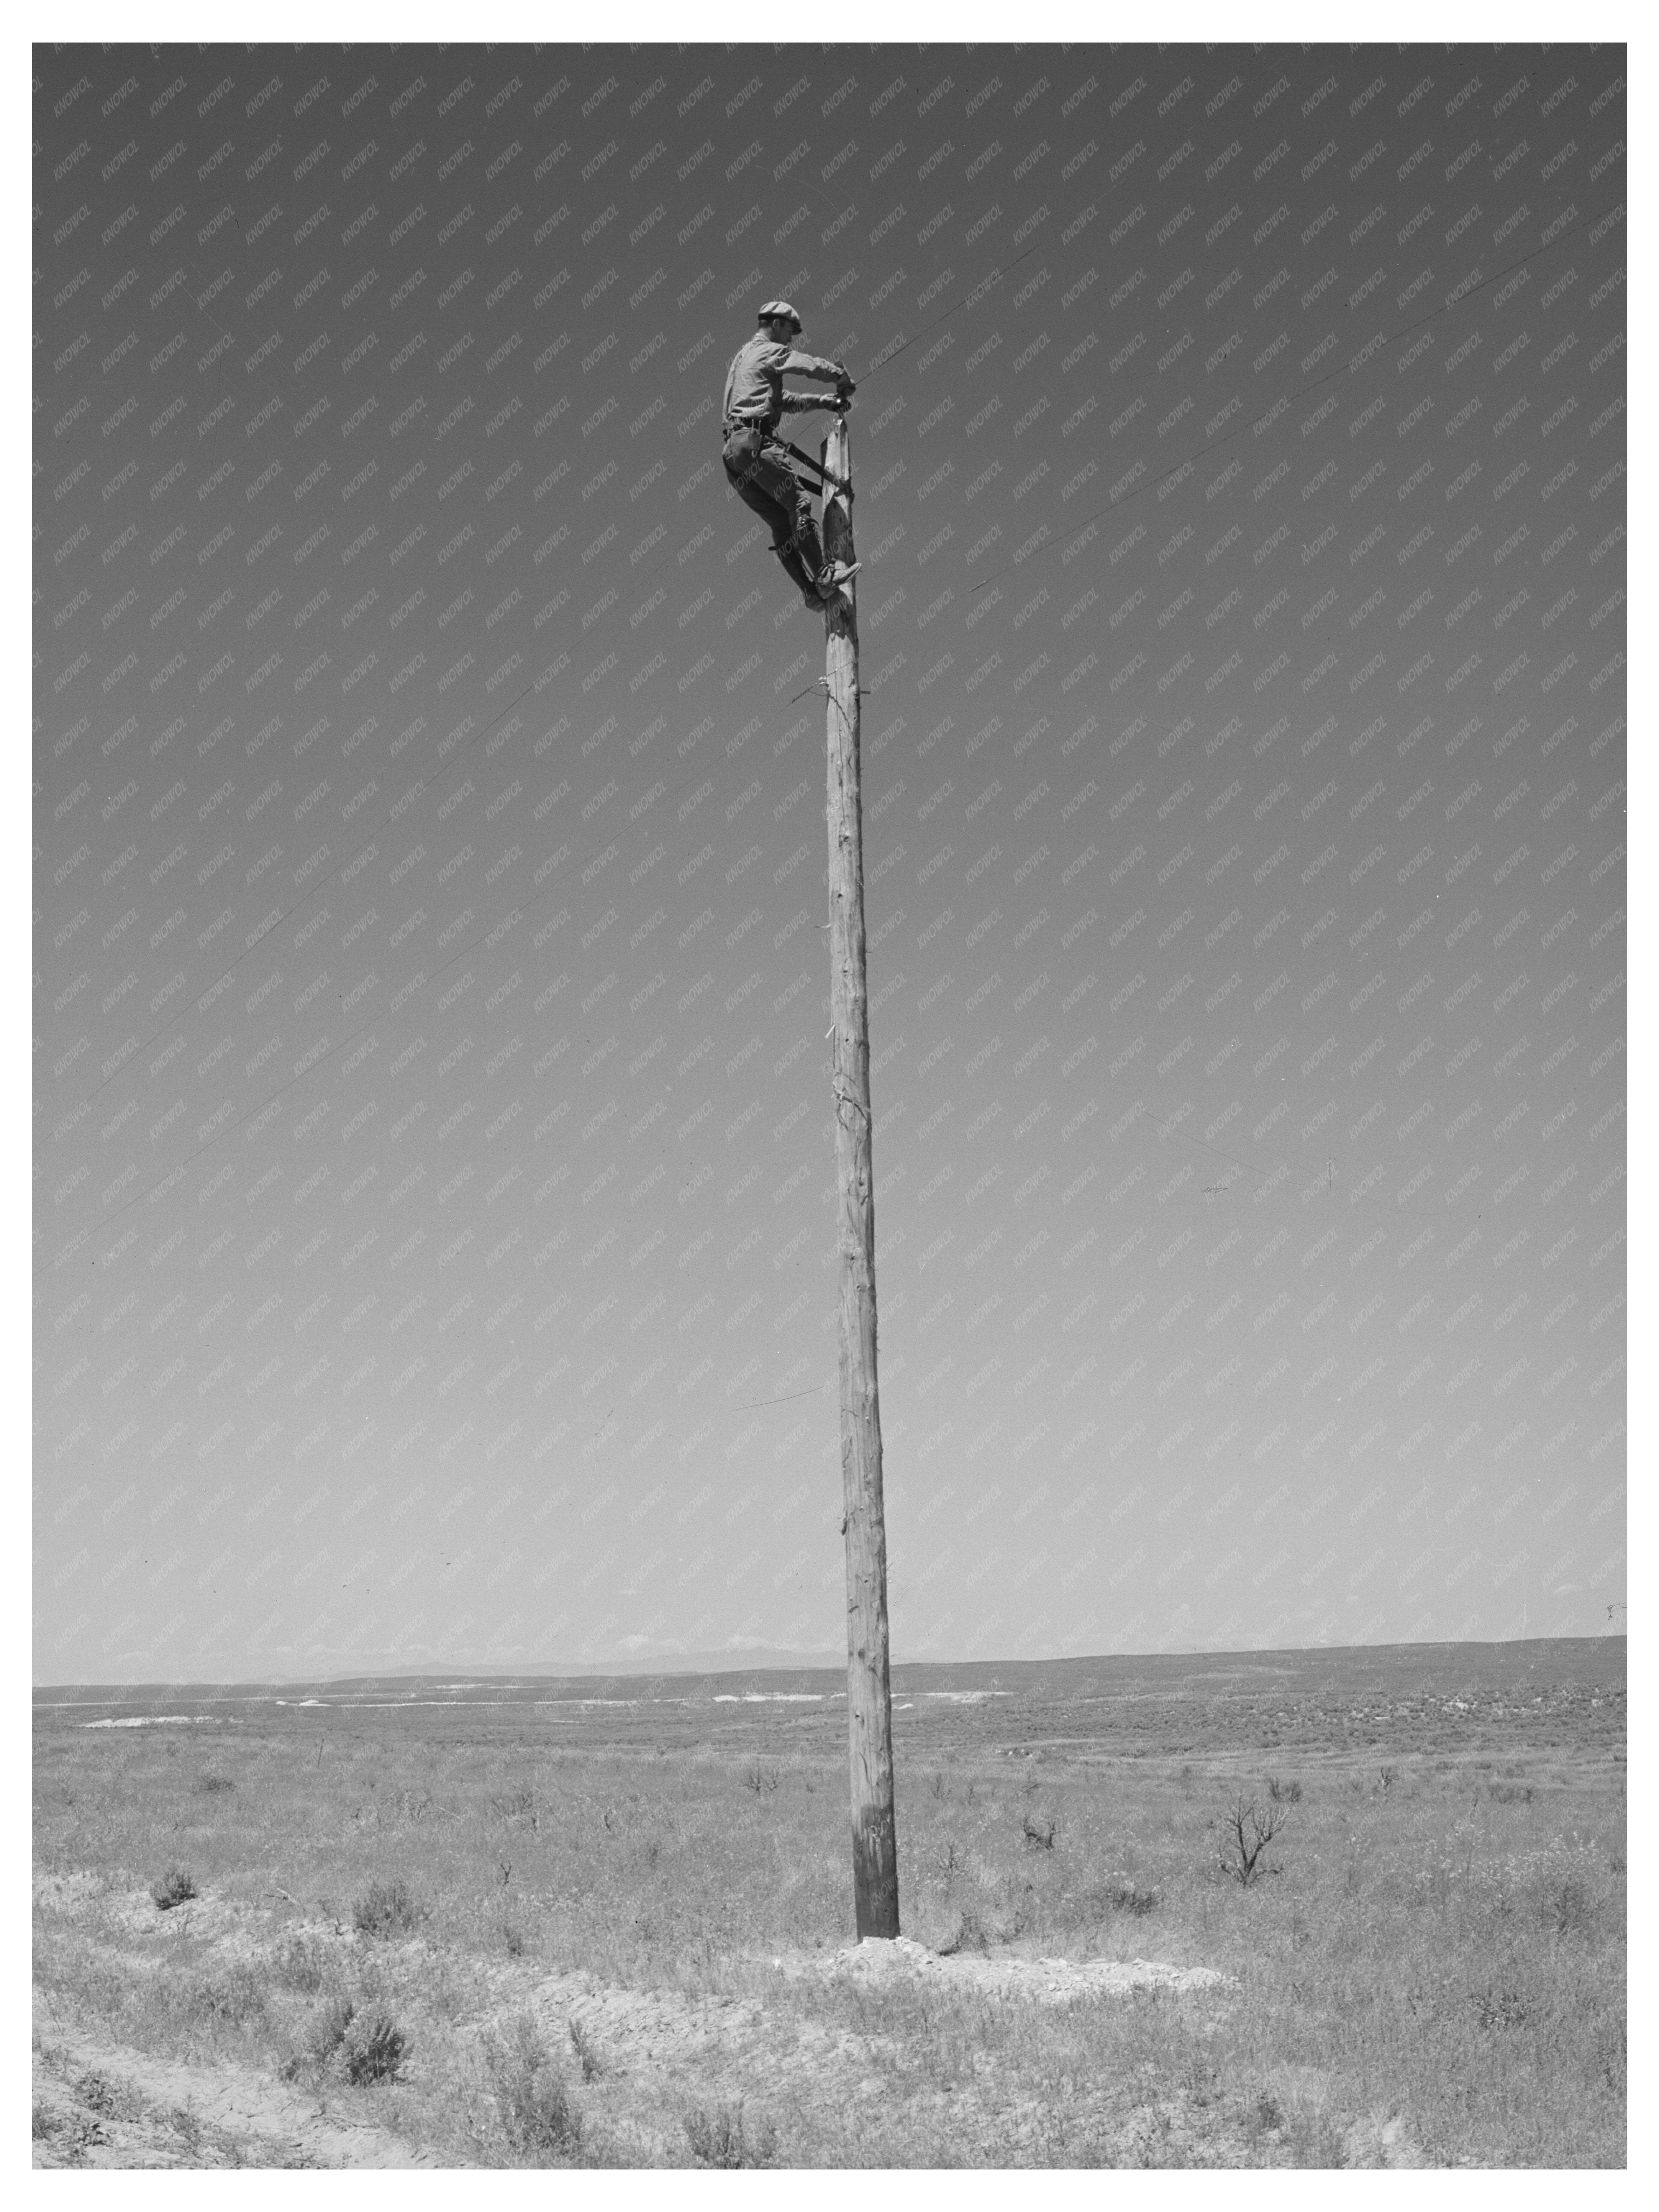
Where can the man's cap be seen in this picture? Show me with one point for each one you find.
(775, 308)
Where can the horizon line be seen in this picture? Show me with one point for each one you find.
(684, 1666)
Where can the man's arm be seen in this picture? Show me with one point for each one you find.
(827, 371)
(811, 364)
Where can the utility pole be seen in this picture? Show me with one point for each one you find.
(869, 1701)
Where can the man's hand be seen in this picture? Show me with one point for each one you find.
(837, 403)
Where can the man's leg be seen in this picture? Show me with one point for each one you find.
(773, 492)
(799, 575)
(827, 575)
(805, 529)
(771, 469)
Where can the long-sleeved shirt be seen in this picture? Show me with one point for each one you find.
(754, 383)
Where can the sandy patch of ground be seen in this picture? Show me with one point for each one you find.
(69, 1893)
(237, 1930)
(660, 2052)
(657, 2054)
(663, 2052)
(158, 1720)
(101, 2104)
(1040, 1981)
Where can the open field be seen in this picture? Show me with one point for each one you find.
(607, 1922)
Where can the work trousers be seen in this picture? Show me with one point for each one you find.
(757, 468)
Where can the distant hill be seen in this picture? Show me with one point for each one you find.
(758, 1668)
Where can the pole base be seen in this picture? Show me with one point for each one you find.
(875, 1876)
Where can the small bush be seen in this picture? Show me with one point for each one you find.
(582, 2044)
(324, 2031)
(234, 1999)
(186, 2124)
(374, 2047)
(1039, 1834)
(299, 1964)
(1284, 1793)
(111, 2101)
(1510, 1793)
(717, 2139)
(176, 1886)
(970, 1935)
(1123, 1895)
(1495, 2008)
(388, 1908)
(214, 1785)
(1267, 2115)
(1246, 1832)
(1569, 1908)
(761, 1778)
(538, 2115)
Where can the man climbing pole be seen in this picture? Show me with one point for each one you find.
(760, 466)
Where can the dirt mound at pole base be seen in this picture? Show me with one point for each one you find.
(1040, 1981)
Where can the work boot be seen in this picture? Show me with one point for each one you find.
(835, 574)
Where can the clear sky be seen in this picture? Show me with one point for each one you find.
(433, 1209)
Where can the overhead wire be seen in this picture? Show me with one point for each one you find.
(1260, 421)
(1466, 292)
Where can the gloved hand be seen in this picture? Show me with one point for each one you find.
(837, 403)
(845, 386)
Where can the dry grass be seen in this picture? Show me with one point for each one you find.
(550, 1951)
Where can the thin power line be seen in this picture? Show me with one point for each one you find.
(1259, 422)
(984, 285)
(1467, 292)
(788, 1398)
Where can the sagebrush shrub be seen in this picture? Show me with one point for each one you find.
(538, 2116)
(719, 2139)
(299, 1963)
(233, 1998)
(970, 1935)
(388, 1908)
(326, 2031)
(1124, 1895)
(1246, 1832)
(374, 2047)
(582, 2044)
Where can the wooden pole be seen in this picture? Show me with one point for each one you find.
(869, 1703)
